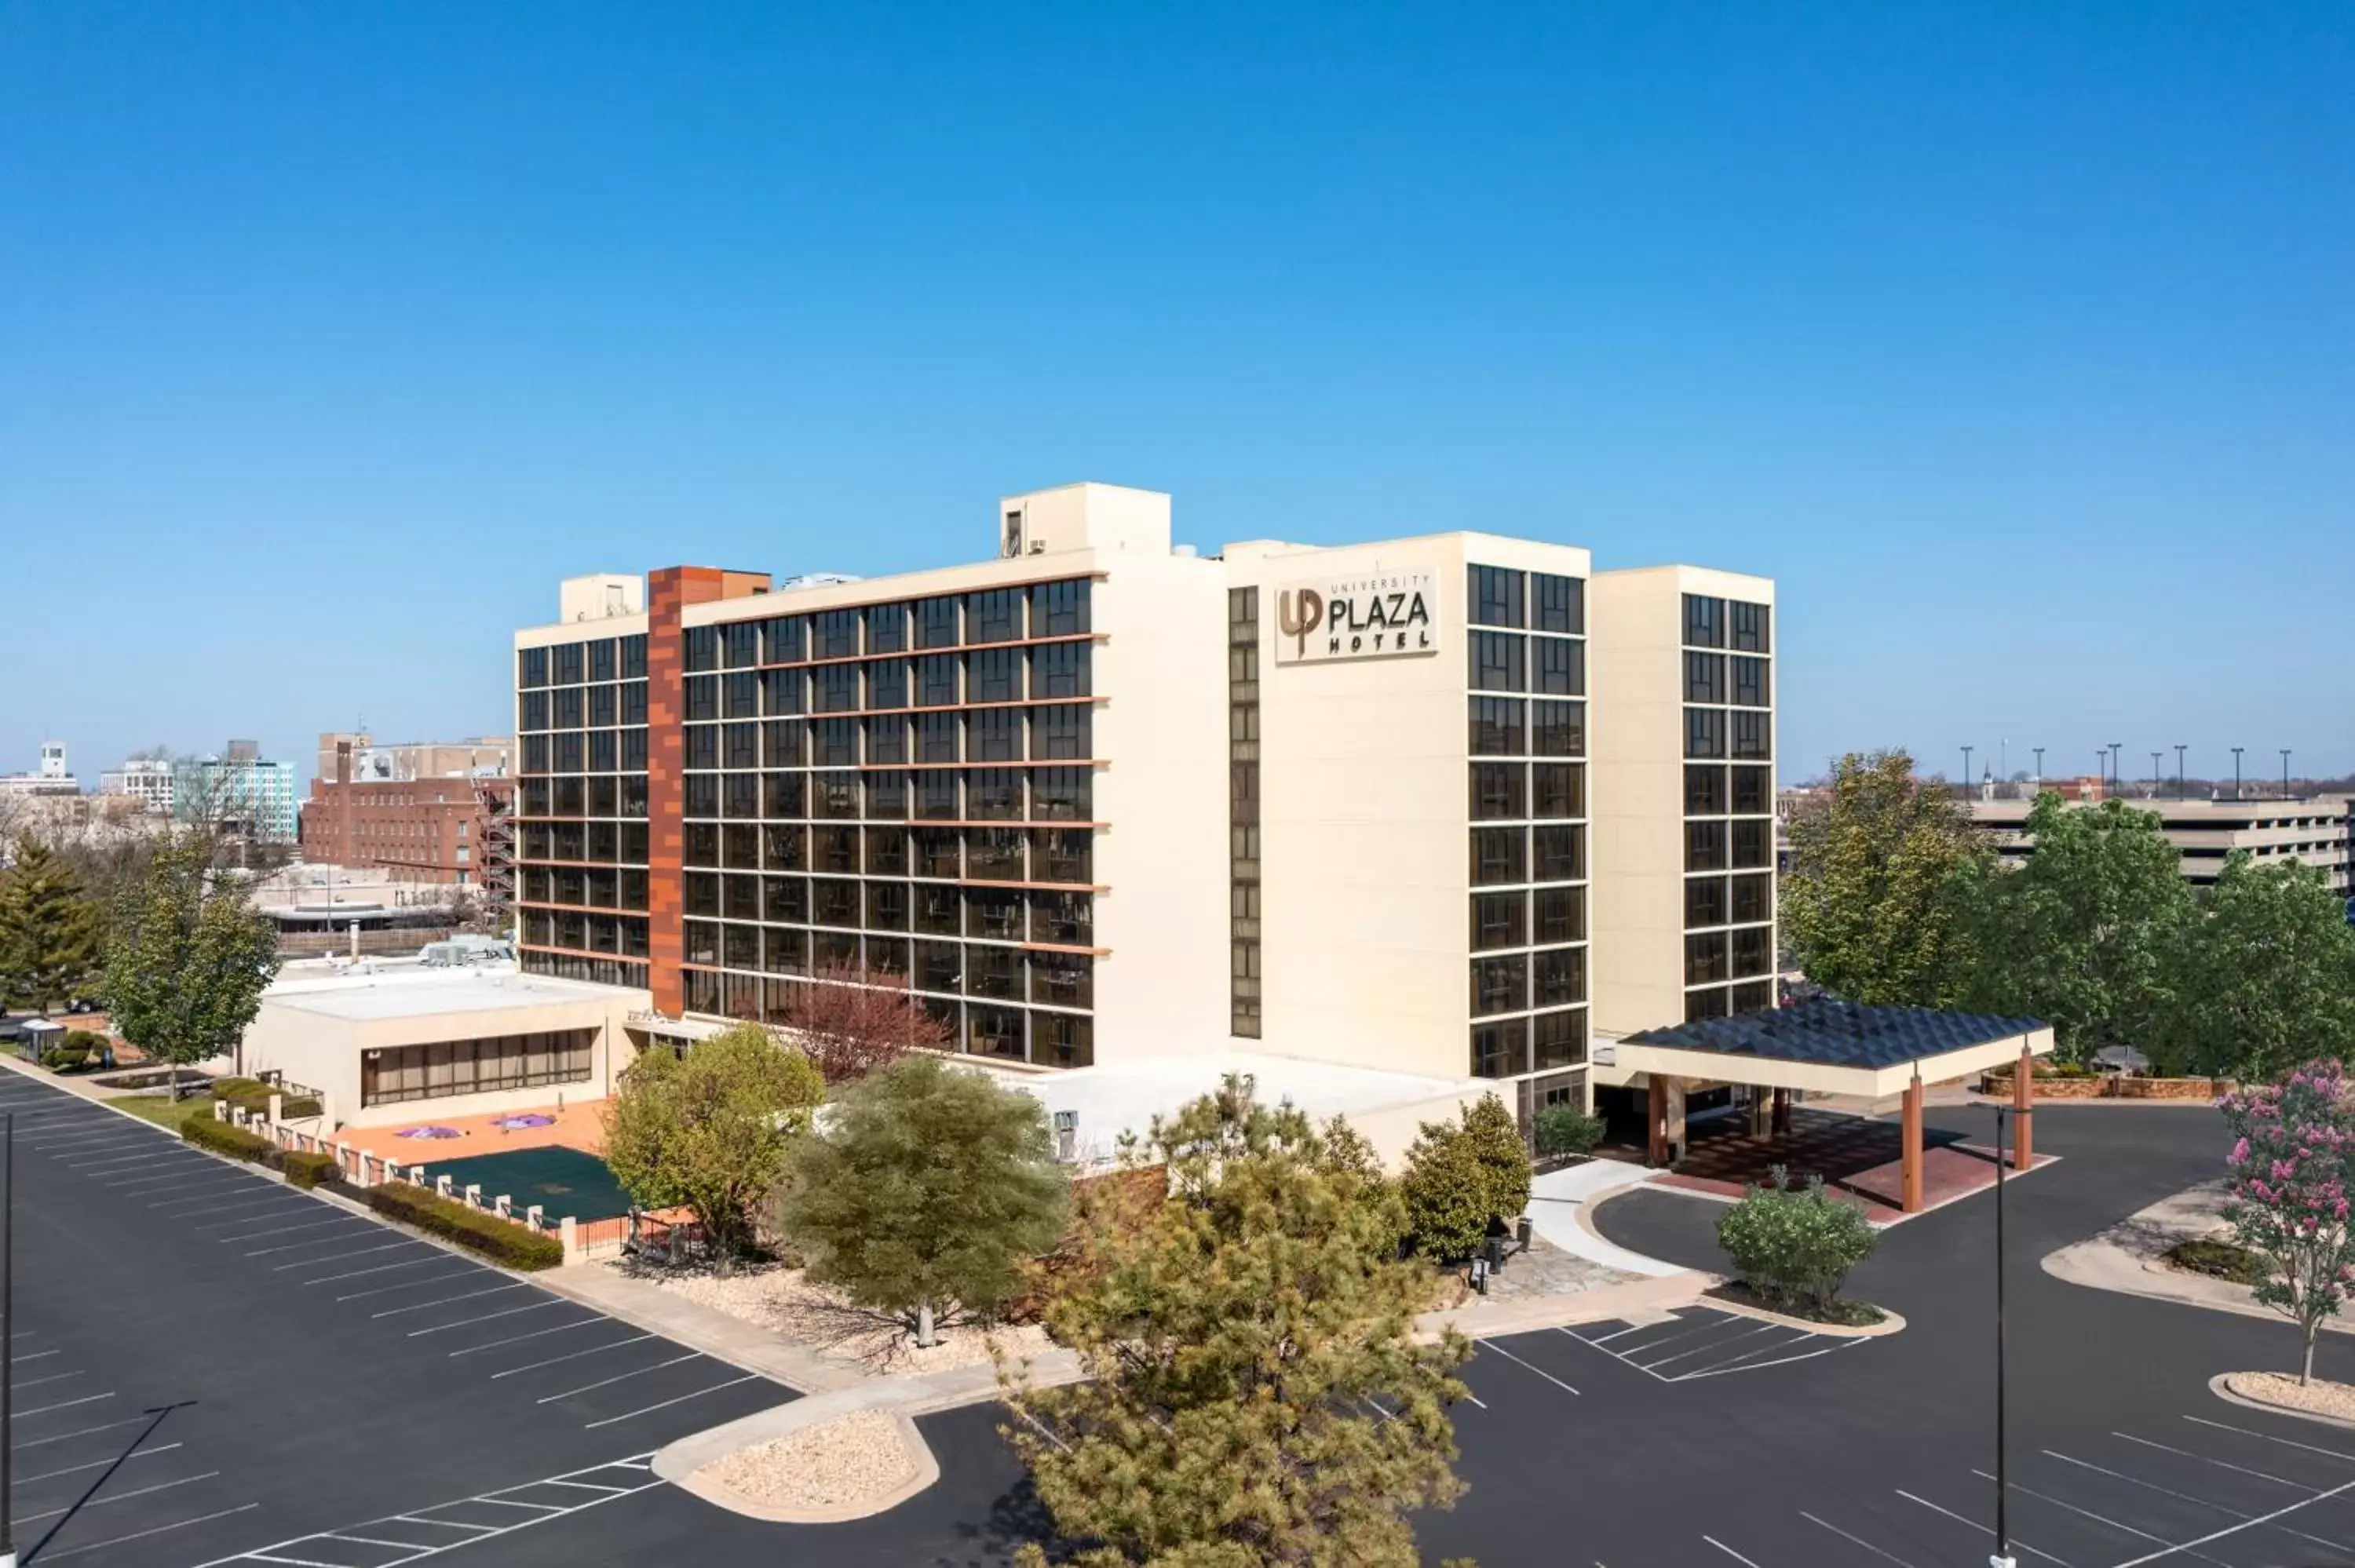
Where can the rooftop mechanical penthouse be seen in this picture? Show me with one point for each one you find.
(1100, 799)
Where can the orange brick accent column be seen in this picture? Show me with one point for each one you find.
(1656, 1149)
(668, 592)
(2023, 1112)
(1911, 1119)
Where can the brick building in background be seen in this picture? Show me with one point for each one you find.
(430, 828)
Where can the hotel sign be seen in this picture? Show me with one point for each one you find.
(1377, 615)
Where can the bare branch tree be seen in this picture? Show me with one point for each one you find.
(850, 1020)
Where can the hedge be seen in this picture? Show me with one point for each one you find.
(304, 1168)
(501, 1241)
(252, 1096)
(223, 1138)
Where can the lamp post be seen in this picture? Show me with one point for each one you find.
(2115, 782)
(2002, 1557)
(2236, 773)
(2178, 773)
(2154, 775)
(2284, 751)
(2039, 767)
(1967, 775)
(7, 1335)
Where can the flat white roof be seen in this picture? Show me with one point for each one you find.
(416, 992)
(1111, 1099)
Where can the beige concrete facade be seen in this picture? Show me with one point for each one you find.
(319, 1031)
(1639, 748)
(1394, 892)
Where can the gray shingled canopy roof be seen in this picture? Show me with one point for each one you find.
(1839, 1033)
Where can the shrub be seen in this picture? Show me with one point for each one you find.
(65, 1056)
(1794, 1246)
(2219, 1260)
(1462, 1176)
(306, 1169)
(252, 1096)
(1563, 1128)
(222, 1138)
(501, 1241)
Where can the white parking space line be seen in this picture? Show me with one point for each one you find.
(67, 1404)
(36, 1383)
(618, 1377)
(2187, 1454)
(144, 1157)
(2333, 1452)
(466, 1322)
(2204, 1502)
(1713, 1345)
(97, 1464)
(407, 1284)
(1508, 1355)
(378, 1540)
(355, 1252)
(1730, 1551)
(243, 1183)
(121, 1497)
(2097, 1519)
(298, 1247)
(1857, 1539)
(439, 1256)
(698, 1393)
(444, 1523)
(32, 1355)
(535, 1334)
(2017, 1544)
(274, 1196)
(132, 1183)
(445, 1300)
(1744, 1363)
(289, 1229)
(2231, 1530)
(84, 1432)
(144, 1534)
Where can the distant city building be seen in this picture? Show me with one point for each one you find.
(147, 779)
(53, 778)
(239, 791)
(2314, 830)
(375, 762)
(374, 807)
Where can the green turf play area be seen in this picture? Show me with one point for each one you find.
(562, 1181)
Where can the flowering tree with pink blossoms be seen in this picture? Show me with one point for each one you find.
(2291, 1171)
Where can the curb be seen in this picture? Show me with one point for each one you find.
(2219, 1385)
(1892, 1322)
(926, 1467)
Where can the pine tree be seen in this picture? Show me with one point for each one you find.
(928, 1190)
(49, 932)
(1255, 1394)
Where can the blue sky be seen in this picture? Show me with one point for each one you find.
(2017, 341)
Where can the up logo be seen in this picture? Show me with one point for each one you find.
(1381, 615)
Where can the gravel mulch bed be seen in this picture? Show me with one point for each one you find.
(851, 1460)
(2320, 1397)
(779, 1300)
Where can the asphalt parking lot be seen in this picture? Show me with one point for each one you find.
(216, 1368)
(1706, 1439)
(211, 1367)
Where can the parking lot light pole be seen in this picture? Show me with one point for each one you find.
(7, 1334)
(2002, 1557)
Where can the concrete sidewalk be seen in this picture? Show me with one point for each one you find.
(1559, 1200)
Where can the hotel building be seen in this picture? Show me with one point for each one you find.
(1437, 809)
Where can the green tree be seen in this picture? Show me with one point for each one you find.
(708, 1129)
(51, 933)
(2262, 975)
(2290, 1177)
(1870, 909)
(926, 1190)
(2080, 935)
(1464, 1175)
(1255, 1393)
(187, 958)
